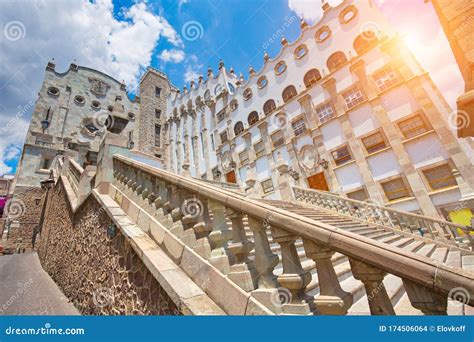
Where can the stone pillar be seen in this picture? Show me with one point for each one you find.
(285, 181)
(172, 146)
(178, 146)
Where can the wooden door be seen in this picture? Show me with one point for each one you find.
(230, 177)
(318, 181)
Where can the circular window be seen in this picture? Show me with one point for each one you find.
(247, 94)
(110, 108)
(53, 91)
(280, 68)
(301, 51)
(262, 82)
(95, 104)
(79, 99)
(322, 34)
(233, 105)
(347, 14)
(218, 89)
(131, 116)
(207, 95)
(231, 87)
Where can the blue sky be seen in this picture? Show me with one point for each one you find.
(180, 37)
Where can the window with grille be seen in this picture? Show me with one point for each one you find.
(252, 118)
(157, 135)
(244, 157)
(259, 149)
(353, 97)
(267, 186)
(288, 93)
(440, 177)
(221, 115)
(341, 155)
(299, 127)
(374, 142)
(269, 107)
(278, 139)
(223, 136)
(325, 112)
(413, 126)
(358, 195)
(386, 79)
(395, 189)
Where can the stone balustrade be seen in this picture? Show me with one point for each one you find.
(211, 223)
(435, 229)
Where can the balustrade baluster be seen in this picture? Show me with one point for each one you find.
(332, 299)
(202, 228)
(243, 271)
(293, 278)
(372, 278)
(422, 298)
(265, 261)
(218, 237)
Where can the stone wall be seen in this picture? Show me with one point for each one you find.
(100, 275)
(24, 210)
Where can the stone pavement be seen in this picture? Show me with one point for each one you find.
(26, 289)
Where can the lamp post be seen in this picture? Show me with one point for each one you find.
(45, 185)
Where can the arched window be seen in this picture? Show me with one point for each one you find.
(288, 93)
(311, 77)
(238, 128)
(252, 118)
(269, 107)
(365, 41)
(336, 60)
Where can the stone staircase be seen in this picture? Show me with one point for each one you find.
(253, 256)
(437, 251)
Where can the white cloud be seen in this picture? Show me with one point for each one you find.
(66, 30)
(310, 10)
(174, 56)
(192, 69)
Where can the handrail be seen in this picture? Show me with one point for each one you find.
(226, 185)
(392, 216)
(418, 271)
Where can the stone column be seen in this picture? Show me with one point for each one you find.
(178, 146)
(195, 143)
(187, 160)
(285, 181)
(172, 146)
(206, 146)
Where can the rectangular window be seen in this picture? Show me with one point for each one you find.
(259, 149)
(440, 177)
(202, 143)
(358, 195)
(46, 163)
(395, 189)
(212, 142)
(157, 135)
(278, 139)
(413, 126)
(267, 186)
(386, 79)
(374, 142)
(299, 127)
(157, 113)
(224, 138)
(341, 155)
(221, 115)
(157, 91)
(325, 112)
(353, 97)
(130, 136)
(244, 157)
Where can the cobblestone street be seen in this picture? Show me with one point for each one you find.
(26, 289)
